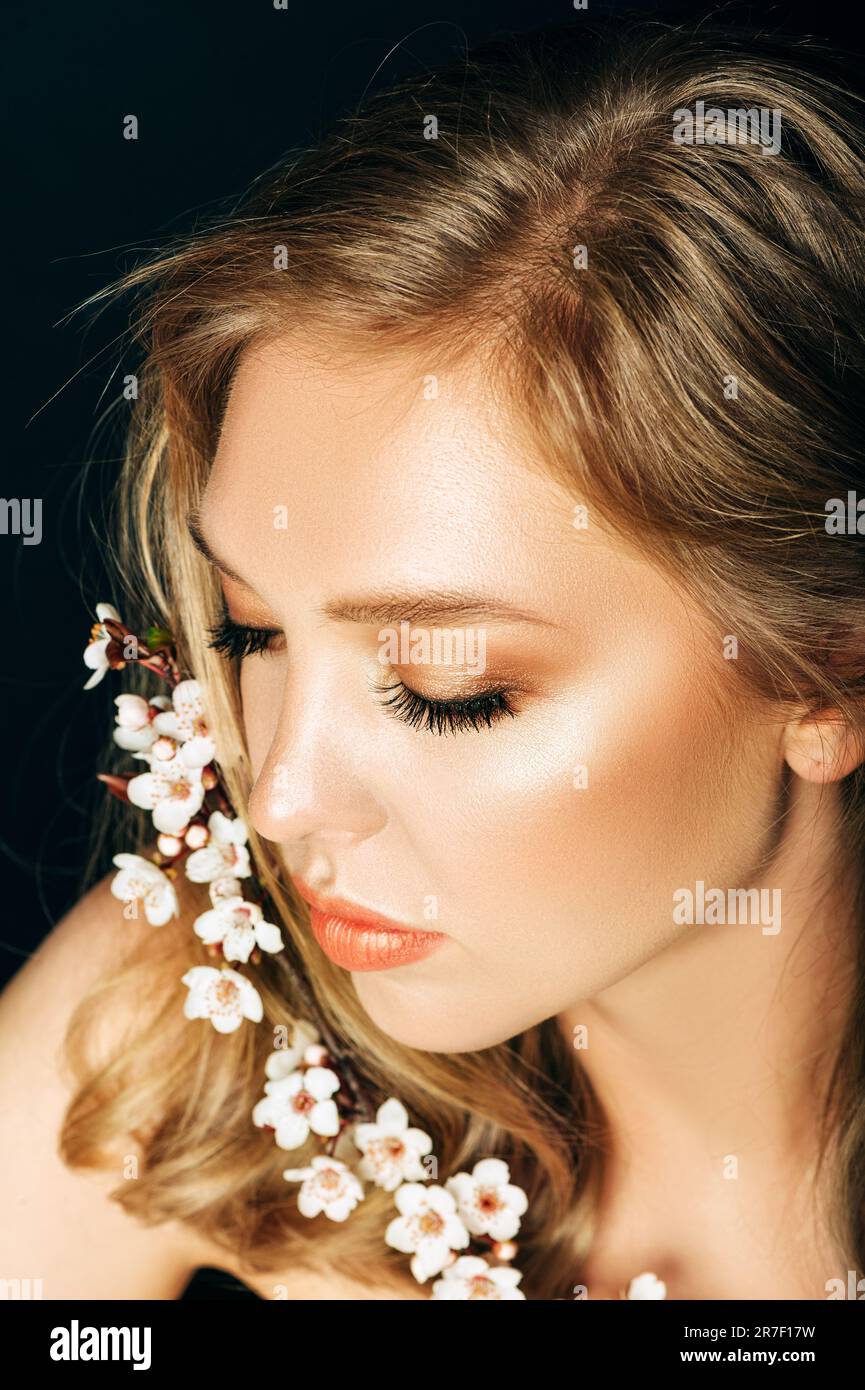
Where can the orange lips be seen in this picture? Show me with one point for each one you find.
(358, 939)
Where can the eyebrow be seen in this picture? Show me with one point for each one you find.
(389, 606)
(202, 544)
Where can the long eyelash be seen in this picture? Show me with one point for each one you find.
(445, 716)
(236, 640)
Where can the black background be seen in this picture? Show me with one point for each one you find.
(221, 91)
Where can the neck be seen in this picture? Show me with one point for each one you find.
(709, 1063)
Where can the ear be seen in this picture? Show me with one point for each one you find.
(823, 748)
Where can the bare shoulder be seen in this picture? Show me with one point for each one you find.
(77, 951)
(60, 1225)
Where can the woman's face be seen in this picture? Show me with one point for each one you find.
(544, 844)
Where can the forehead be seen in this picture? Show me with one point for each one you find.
(380, 468)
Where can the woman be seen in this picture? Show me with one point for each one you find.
(482, 470)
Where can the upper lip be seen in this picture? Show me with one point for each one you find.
(351, 912)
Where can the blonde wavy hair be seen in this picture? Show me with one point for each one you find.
(704, 261)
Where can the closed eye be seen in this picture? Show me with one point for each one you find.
(235, 641)
(445, 716)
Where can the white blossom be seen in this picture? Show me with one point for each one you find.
(223, 996)
(223, 888)
(299, 1105)
(471, 1277)
(647, 1286)
(428, 1228)
(284, 1060)
(391, 1149)
(186, 723)
(240, 927)
(329, 1186)
(94, 653)
(487, 1200)
(171, 790)
(143, 881)
(225, 853)
(134, 719)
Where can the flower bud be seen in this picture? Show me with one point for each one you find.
(169, 845)
(197, 836)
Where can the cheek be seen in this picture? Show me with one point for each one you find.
(574, 827)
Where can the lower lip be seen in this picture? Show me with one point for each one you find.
(358, 946)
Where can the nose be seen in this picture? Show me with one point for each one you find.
(311, 788)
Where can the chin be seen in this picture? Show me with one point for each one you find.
(419, 1019)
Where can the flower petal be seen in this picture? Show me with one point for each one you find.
(324, 1118)
(491, 1172)
(321, 1082)
(292, 1131)
(392, 1116)
(269, 937)
(198, 751)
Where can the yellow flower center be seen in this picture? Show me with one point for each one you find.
(226, 993)
(482, 1287)
(431, 1223)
